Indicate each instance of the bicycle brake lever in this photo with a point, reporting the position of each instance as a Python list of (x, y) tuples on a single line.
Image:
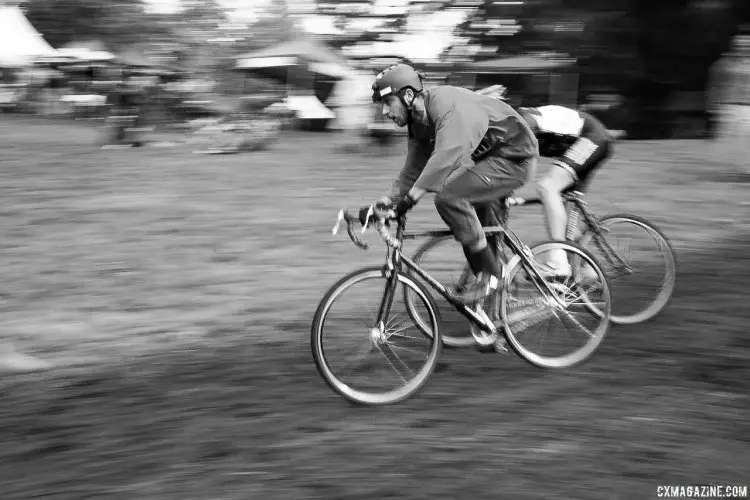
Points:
[(370, 213), (340, 218), (357, 241)]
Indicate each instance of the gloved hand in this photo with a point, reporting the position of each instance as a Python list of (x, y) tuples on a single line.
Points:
[(387, 208), (404, 205), (384, 203)]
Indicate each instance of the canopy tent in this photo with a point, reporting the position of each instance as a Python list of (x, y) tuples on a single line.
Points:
[(139, 63), (308, 108), (134, 59), (277, 66), (304, 64), (90, 51), (314, 56), (20, 43), (519, 64)]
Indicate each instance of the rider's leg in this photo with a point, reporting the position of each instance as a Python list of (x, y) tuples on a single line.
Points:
[(550, 189), (486, 182), (490, 214), (574, 167), (460, 215)]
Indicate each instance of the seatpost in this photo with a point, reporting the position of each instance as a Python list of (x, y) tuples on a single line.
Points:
[(573, 216)]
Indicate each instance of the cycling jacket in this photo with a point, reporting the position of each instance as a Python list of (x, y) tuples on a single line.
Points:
[(463, 127)]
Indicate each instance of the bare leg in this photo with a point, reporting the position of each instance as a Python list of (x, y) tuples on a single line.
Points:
[(550, 187), (555, 216)]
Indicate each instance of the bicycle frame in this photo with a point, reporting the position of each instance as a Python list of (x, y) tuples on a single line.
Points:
[(575, 198), (396, 260)]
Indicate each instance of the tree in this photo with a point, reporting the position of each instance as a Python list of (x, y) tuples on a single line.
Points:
[(359, 22), (114, 22)]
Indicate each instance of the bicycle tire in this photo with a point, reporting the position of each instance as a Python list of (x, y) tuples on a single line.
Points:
[(516, 265), (664, 295), (318, 350)]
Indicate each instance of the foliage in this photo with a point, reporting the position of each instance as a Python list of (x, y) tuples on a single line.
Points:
[(110, 21)]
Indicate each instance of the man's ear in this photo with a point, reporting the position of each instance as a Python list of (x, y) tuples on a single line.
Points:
[(409, 96)]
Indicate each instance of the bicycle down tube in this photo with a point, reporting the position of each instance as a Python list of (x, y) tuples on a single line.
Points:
[(462, 308)]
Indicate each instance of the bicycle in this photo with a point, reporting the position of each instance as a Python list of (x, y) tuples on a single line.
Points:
[(511, 312), (597, 236)]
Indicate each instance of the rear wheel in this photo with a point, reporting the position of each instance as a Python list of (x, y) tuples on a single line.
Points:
[(555, 321), (640, 265)]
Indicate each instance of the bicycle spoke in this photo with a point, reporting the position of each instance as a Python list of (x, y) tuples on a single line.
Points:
[(570, 316), (543, 336), (401, 336), (531, 320), (376, 372), (386, 350), (396, 346), (639, 264), (554, 344), (402, 326)]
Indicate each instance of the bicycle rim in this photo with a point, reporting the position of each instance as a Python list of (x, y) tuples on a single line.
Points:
[(640, 265), (390, 355)]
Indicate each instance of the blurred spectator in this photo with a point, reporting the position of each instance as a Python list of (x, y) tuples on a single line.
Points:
[(729, 103), (125, 112)]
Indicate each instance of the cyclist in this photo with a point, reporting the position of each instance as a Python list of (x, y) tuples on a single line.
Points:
[(470, 150), (580, 144)]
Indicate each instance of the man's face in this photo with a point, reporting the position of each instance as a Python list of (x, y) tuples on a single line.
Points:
[(394, 110)]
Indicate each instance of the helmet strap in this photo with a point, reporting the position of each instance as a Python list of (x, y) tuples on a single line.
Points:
[(409, 110)]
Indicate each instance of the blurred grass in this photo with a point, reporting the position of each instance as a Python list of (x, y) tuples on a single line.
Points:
[(176, 291)]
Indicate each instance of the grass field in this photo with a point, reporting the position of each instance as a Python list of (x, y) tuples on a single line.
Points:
[(175, 293)]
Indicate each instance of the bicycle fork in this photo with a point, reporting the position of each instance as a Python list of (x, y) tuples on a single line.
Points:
[(377, 333)]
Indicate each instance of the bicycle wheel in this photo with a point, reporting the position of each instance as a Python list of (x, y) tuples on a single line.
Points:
[(396, 349), (557, 305), (443, 258), (639, 262)]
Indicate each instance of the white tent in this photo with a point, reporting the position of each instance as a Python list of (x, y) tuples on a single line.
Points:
[(86, 54), (20, 42)]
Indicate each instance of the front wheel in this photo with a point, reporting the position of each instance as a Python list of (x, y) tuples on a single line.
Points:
[(555, 319), (639, 262), (354, 353)]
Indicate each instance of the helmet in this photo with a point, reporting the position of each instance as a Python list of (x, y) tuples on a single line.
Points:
[(394, 79)]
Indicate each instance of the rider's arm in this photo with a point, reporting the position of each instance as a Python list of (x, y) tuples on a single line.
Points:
[(416, 158), (458, 131)]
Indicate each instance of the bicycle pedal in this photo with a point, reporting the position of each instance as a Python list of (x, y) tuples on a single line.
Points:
[(500, 346)]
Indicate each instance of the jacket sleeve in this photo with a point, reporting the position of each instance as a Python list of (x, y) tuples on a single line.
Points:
[(458, 131), (416, 158)]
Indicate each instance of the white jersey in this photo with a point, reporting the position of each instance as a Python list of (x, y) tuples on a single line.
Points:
[(556, 128), (559, 120)]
